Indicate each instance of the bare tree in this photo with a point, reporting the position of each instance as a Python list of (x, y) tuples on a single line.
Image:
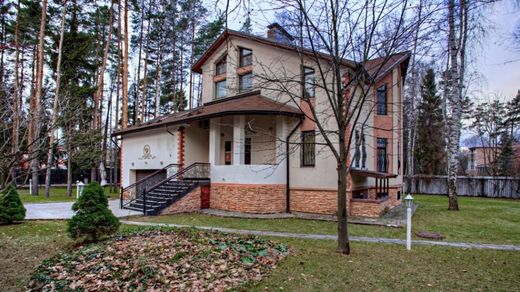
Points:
[(54, 114), (343, 40), (35, 104)]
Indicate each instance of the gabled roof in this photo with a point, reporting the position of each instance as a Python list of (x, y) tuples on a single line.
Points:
[(197, 67), (249, 103), (371, 66)]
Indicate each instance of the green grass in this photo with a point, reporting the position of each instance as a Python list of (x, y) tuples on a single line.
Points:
[(23, 246), (479, 220), (312, 265), (57, 194)]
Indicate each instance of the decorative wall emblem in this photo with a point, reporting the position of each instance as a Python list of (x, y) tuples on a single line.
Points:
[(147, 153)]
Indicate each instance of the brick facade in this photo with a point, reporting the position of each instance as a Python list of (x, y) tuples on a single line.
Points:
[(314, 201), (189, 203), (248, 198)]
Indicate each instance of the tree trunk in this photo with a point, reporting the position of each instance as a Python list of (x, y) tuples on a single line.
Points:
[(455, 118), (16, 95), (138, 78), (145, 78), (35, 119), (54, 114), (343, 241), (191, 63), (125, 68), (69, 160)]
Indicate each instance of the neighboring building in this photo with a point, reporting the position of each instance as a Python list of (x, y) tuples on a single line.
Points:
[(482, 160), (239, 137)]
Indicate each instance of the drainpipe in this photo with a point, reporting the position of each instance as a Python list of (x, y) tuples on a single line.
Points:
[(287, 186)]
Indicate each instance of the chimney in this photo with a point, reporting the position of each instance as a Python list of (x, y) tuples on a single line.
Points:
[(277, 33)]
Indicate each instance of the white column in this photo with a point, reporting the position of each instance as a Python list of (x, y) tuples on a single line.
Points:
[(214, 141), (281, 135), (239, 135)]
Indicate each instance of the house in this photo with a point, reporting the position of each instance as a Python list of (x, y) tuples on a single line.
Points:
[(482, 160), (249, 148)]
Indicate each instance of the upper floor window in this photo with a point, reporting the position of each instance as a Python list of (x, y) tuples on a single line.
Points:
[(308, 155), (245, 82), (381, 100), (221, 66), (220, 89), (382, 156), (246, 57), (309, 80)]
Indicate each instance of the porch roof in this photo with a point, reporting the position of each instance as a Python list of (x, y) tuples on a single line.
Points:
[(249, 103), (370, 173)]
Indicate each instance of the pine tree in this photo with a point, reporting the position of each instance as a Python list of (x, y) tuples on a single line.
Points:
[(93, 219), (429, 151), (11, 207)]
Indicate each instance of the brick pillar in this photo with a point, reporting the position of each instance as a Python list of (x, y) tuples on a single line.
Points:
[(180, 151)]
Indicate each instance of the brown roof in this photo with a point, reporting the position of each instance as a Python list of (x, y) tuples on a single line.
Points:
[(377, 68), (228, 32), (249, 103)]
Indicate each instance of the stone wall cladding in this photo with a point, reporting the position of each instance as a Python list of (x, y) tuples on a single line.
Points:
[(314, 201), (187, 204), (248, 198)]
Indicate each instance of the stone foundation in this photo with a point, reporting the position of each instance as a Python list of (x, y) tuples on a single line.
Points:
[(188, 203), (314, 201), (248, 198)]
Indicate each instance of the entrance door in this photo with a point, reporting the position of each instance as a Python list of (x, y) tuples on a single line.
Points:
[(204, 197), (143, 173)]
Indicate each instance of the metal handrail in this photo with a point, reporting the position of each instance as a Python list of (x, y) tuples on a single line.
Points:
[(177, 174), (150, 175), (134, 185)]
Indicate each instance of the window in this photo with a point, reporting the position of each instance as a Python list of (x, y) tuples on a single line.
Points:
[(382, 158), (381, 100), (227, 152), (221, 66), (246, 57), (310, 82), (308, 149), (245, 82), (247, 151), (220, 89)]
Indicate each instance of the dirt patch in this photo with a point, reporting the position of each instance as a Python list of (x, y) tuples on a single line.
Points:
[(185, 260)]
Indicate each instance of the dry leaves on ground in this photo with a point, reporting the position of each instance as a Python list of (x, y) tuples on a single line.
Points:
[(159, 260)]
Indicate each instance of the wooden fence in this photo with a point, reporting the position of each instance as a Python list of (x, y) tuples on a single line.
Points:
[(472, 186)]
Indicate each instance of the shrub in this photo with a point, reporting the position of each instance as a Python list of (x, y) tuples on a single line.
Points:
[(11, 207), (93, 219)]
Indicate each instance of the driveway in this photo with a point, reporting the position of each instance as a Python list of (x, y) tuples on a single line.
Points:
[(64, 210)]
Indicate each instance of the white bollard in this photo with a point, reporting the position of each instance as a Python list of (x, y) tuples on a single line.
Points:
[(30, 187), (409, 228)]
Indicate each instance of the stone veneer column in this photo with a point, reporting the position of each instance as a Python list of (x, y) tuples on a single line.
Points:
[(239, 135), (214, 141)]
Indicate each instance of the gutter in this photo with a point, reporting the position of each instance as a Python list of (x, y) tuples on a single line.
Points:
[(287, 184)]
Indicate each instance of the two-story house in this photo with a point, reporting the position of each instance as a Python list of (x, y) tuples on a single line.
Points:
[(257, 149)]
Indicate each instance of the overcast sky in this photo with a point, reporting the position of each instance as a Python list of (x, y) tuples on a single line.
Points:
[(496, 59)]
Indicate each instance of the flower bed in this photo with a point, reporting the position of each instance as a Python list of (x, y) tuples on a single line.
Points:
[(161, 260)]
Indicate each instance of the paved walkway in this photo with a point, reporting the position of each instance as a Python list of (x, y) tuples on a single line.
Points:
[(63, 210), (334, 237)]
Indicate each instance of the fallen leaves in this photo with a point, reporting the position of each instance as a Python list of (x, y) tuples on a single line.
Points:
[(161, 260)]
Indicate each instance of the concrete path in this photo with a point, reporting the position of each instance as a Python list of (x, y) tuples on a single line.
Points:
[(334, 237), (63, 210)]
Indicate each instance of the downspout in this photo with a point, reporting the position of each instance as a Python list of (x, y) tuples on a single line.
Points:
[(287, 186)]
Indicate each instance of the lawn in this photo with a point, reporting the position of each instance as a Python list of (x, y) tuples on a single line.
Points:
[(312, 265), (57, 194), (479, 220)]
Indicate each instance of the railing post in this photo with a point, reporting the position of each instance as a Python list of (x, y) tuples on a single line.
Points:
[(144, 201)]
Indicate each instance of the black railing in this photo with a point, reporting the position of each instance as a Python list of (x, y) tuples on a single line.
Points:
[(135, 190), (195, 172)]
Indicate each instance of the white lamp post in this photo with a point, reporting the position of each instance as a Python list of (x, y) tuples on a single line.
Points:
[(79, 188), (409, 203)]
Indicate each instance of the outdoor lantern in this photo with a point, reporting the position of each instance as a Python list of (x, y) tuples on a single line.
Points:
[(79, 188), (408, 200)]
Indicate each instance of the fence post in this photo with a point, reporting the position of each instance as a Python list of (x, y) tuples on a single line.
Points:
[(144, 201)]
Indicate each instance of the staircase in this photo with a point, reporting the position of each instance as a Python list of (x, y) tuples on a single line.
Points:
[(152, 199)]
